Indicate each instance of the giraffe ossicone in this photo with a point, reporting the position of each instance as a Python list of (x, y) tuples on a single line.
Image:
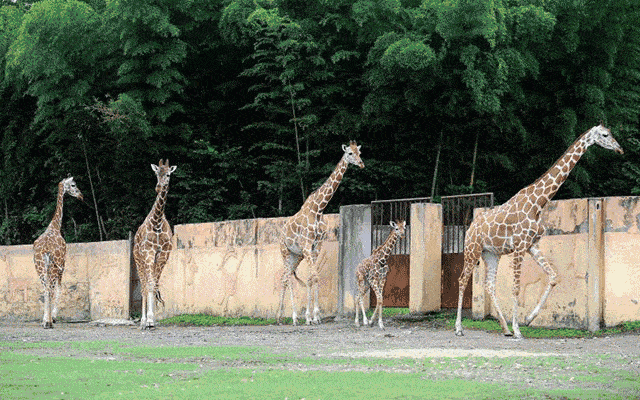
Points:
[(303, 234), (152, 246), (49, 253), (372, 273), (515, 227)]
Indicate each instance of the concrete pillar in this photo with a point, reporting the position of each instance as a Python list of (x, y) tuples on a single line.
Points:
[(480, 303), (595, 265), (355, 246), (426, 253)]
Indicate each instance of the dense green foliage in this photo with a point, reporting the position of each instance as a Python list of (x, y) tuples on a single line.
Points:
[(252, 100)]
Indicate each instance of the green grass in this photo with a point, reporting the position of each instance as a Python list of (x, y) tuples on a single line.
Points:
[(213, 320), (223, 372), (537, 332), (26, 376)]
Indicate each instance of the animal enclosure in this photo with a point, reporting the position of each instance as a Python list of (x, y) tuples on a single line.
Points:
[(234, 267)]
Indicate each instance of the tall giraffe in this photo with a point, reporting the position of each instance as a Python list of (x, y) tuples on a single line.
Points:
[(152, 246), (372, 272), (515, 228), (49, 252), (303, 233)]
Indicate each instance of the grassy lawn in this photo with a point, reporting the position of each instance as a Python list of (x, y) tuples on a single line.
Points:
[(170, 372), (109, 369)]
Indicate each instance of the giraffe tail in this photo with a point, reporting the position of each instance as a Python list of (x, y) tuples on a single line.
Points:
[(298, 279), (159, 297)]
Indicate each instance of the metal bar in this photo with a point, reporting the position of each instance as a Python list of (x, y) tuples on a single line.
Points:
[(412, 200)]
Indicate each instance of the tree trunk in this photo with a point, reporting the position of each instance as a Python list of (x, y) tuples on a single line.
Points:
[(473, 163), (435, 170)]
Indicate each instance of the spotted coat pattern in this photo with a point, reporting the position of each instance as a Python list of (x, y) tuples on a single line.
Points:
[(372, 273), (303, 234), (515, 228), (49, 252), (152, 246)]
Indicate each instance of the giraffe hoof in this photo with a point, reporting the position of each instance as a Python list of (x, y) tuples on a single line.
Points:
[(47, 325), (459, 333)]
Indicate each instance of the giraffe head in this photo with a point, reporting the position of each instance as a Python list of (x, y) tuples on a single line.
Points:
[(602, 136), (352, 154), (69, 186), (163, 171), (398, 227)]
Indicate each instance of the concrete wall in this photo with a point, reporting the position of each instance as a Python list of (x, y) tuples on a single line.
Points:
[(621, 260), (235, 268), (355, 246), (95, 283), (426, 258), (592, 244)]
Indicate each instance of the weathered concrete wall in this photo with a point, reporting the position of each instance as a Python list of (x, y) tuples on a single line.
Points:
[(95, 283), (235, 268), (426, 258), (593, 245), (355, 246), (622, 260)]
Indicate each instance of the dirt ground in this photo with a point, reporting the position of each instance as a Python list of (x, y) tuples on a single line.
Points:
[(332, 337), (437, 352)]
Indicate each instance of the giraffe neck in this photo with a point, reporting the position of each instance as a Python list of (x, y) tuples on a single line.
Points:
[(548, 184), (157, 212), (319, 200), (56, 221), (384, 250)]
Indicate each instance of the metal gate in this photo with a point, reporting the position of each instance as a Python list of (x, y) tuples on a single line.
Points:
[(135, 294), (457, 214), (396, 288)]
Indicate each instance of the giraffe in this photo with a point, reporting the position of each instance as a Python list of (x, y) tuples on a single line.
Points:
[(303, 234), (49, 251), (152, 246), (515, 228), (372, 272)]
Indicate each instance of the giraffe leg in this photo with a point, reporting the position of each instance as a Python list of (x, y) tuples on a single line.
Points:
[(284, 282), (551, 273), (362, 290), (47, 322), (312, 287), (379, 300), (491, 261), (150, 320), (373, 316), (291, 262), (56, 300), (470, 261), (294, 315), (517, 271)]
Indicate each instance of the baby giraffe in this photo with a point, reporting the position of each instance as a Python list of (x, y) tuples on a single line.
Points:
[(372, 272)]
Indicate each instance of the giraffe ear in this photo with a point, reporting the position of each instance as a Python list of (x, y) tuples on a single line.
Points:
[(344, 147), (393, 224), (359, 147), (172, 169), (154, 168)]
